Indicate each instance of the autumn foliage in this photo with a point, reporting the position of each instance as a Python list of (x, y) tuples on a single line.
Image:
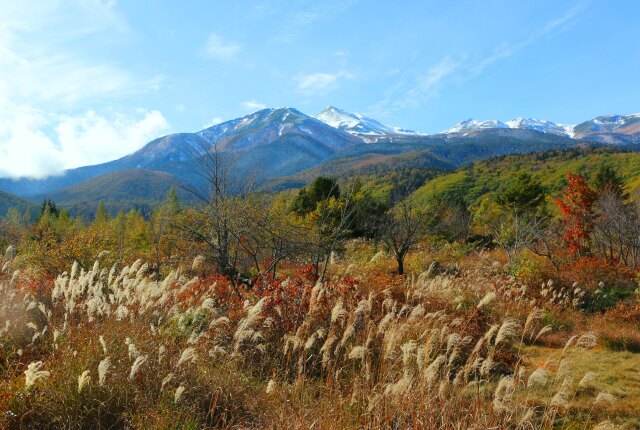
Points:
[(576, 206)]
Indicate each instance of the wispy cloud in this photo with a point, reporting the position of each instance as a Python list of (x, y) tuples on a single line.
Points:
[(320, 83), (40, 69), (64, 79), (50, 70), (426, 85), (563, 21), (220, 49), (506, 50), (252, 105), (214, 121), (413, 91), (295, 23), (64, 19)]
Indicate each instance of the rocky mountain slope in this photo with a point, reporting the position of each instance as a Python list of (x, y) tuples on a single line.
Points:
[(286, 143)]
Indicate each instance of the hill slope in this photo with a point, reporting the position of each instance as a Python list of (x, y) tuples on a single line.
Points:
[(8, 201), (137, 188), (277, 143), (274, 142), (485, 178), (436, 152)]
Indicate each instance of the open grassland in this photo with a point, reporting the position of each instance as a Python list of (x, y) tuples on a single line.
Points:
[(457, 345)]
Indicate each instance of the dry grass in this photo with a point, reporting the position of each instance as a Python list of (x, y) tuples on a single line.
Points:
[(593, 372), (448, 349)]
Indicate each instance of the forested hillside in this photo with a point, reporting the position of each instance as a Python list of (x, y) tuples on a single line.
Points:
[(484, 179), (8, 201)]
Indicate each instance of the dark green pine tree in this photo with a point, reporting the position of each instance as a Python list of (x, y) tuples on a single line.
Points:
[(608, 179), (172, 202), (321, 189), (524, 194), (49, 208), (101, 214)]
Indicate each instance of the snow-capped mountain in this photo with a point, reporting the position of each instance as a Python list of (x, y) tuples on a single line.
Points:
[(269, 142), (353, 123), (356, 123), (541, 126), (474, 125), (517, 123), (620, 124), (279, 142), (270, 125)]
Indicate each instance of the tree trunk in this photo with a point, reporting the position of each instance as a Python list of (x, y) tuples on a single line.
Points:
[(400, 260)]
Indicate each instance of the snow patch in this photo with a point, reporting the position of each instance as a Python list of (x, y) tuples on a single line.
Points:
[(542, 126)]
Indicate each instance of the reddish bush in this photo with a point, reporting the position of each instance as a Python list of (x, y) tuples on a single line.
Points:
[(287, 301), (37, 284), (576, 206), (590, 271), (623, 312)]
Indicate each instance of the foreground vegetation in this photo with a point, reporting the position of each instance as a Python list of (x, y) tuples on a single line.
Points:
[(459, 348), (330, 307)]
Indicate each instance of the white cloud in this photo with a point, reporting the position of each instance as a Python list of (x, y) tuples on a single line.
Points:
[(26, 150), (50, 63), (91, 138), (219, 49), (214, 121), (253, 105), (320, 83)]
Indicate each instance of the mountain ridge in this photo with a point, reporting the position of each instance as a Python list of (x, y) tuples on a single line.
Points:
[(280, 142), (627, 125)]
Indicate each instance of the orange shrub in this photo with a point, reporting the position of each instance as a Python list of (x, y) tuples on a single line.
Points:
[(590, 272), (38, 284)]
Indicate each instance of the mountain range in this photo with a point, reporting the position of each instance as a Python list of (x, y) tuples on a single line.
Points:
[(607, 128), (280, 148)]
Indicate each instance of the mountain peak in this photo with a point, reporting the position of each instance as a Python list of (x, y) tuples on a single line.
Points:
[(330, 108), (354, 123), (520, 123), (474, 125), (619, 124)]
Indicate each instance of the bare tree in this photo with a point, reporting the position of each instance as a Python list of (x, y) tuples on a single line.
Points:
[(516, 231), (401, 228), (617, 228), (237, 226), (265, 236), (546, 241), (220, 197)]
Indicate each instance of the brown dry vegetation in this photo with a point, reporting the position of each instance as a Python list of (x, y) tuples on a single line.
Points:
[(454, 346), (327, 310)]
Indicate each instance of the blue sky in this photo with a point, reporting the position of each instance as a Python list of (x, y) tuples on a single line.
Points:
[(86, 81)]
